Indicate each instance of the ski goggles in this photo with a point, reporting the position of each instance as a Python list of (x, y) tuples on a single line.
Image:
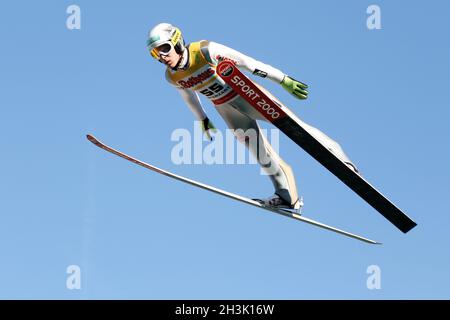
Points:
[(162, 50)]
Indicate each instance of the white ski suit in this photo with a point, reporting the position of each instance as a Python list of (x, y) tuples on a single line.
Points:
[(196, 73)]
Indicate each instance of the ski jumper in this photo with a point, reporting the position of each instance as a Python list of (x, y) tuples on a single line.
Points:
[(197, 74)]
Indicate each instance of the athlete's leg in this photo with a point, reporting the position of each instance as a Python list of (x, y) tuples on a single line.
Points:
[(329, 143), (248, 132)]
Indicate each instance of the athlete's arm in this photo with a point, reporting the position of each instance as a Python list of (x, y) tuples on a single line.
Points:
[(192, 100), (214, 52)]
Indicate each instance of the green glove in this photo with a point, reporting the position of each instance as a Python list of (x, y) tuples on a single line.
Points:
[(208, 127), (295, 87)]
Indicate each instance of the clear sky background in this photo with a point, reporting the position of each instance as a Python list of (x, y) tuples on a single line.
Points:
[(383, 94)]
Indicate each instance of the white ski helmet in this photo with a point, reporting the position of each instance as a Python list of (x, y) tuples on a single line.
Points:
[(165, 33)]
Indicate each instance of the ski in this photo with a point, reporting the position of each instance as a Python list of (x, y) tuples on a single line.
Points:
[(254, 203), (291, 125)]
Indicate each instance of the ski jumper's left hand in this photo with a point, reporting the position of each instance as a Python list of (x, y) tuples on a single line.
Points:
[(295, 87), (208, 127)]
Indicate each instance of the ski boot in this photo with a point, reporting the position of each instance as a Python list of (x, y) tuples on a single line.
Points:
[(277, 202)]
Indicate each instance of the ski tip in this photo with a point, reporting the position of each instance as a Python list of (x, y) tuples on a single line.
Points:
[(91, 138)]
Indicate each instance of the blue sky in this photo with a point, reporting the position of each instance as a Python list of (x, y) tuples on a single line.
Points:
[(383, 94)]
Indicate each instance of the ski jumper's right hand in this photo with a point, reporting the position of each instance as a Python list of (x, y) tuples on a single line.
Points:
[(207, 128), (295, 87)]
